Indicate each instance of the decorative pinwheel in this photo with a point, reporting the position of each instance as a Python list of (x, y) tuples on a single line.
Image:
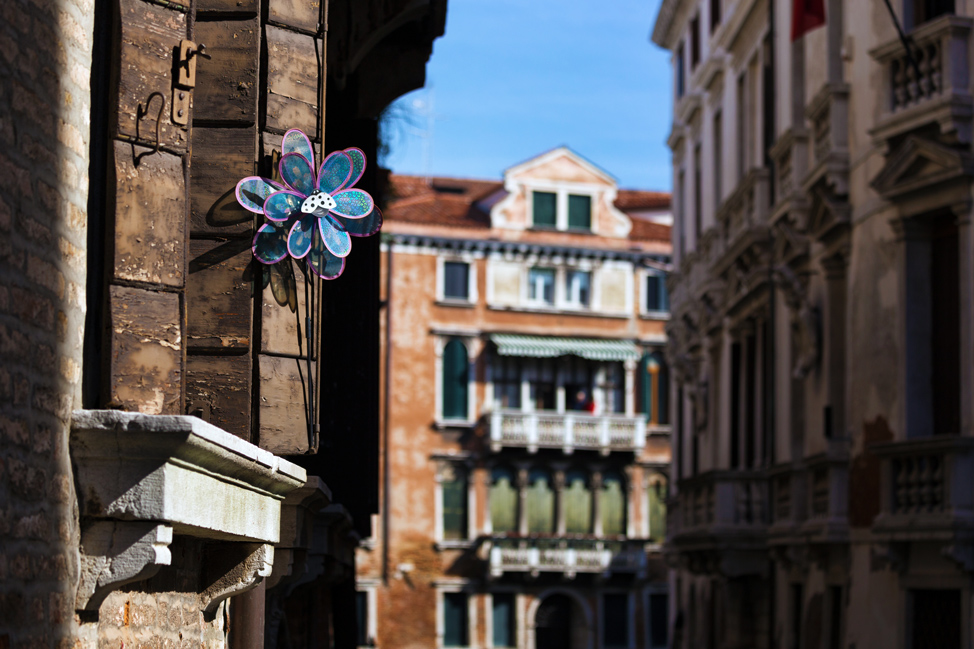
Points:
[(312, 216)]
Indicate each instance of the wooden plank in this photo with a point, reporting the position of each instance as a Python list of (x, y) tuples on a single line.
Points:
[(150, 216), (292, 81), (282, 310), (221, 157), (300, 14), (219, 295), (149, 36), (226, 6), (146, 351), (282, 411), (227, 83), (218, 390)]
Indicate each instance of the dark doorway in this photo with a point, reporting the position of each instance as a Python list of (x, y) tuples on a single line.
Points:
[(553, 623)]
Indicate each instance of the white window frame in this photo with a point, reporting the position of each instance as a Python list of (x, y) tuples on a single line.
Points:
[(442, 543), (541, 303), (561, 192), (469, 342), (472, 296), (644, 310), (571, 300), (368, 586), (455, 587), (631, 626)]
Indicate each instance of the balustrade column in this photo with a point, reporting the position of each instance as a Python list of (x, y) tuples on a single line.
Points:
[(596, 482)]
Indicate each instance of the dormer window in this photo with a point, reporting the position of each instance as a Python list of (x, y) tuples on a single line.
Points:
[(561, 210)]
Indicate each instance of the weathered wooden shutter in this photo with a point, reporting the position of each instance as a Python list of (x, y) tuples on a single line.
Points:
[(455, 380), (545, 207), (503, 501), (580, 212), (578, 504), (455, 620), (503, 618), (541, 503), (613, 505)]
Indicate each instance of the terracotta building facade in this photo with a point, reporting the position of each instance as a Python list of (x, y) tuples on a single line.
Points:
[(526, 413), (820, 338)]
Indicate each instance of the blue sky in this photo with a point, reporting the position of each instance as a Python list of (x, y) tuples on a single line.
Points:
[(513, 78)]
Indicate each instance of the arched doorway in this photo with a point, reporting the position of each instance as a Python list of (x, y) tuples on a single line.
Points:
[(560, 623)]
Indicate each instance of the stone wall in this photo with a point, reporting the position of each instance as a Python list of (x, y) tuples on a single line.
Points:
[(45, 54)]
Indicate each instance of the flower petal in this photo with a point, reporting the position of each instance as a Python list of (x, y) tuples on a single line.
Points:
[(280, 205), (363, 227), (358, 165), (296, 171), (252, 191), (299, 241), (295, 141), (334, 236), (352, 203), (270, 244), (323, 263), (334, 172)]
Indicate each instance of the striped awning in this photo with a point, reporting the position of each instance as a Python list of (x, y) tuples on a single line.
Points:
[(551, 347)]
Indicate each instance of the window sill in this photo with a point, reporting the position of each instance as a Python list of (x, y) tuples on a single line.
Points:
[(589, 313), (441, 424), (655, 315), (457, 544), (455, 302), (553, 228)]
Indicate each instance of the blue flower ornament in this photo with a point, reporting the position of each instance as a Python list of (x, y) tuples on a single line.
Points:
[(312, 215)]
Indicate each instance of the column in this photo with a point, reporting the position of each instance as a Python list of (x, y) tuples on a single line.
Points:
[(522, 499), (630, 395)]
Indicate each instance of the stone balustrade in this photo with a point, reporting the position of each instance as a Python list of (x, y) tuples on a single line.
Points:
[(565, 555), (567, 431)]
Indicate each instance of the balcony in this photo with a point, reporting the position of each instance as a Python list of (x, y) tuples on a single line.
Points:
[(927, 491), (566, 431), (566, 556), (937, 90)]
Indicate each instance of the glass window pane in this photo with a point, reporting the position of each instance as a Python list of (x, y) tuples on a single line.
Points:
[(541, 503), (615, 614), (578, 503), (578, 290), (541, 285), (544, 208), (503, 620), (580, 212), (455, 380), (455, 620), (613, 505), (455, 505), (362, 617), (456, 280), (503, 501)]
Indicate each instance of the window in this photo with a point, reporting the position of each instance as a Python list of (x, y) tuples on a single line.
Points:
[(503, 617), (362, 618), (694, 42), (934, 619), (718, 156), (456, 280), (454, 493), (578, 289), (925, 10), (714, 15), (656, 497), (503, 500), (658, 620), (613, 504), (835, 617), (542, 385), (697, 197), (657, 298), (797, 607), (541, 286), (578, 503), (653, 391), (742, 130), (455, 380), (540, 503), (614, 388), (579, 212), (678, 65), (545, 211), (506, 378), (615, 620), (455, 626)]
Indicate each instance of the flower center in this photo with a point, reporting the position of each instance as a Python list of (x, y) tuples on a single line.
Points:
[(318, 200)]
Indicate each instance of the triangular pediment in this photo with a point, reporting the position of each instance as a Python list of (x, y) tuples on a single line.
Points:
[(559, 165), (918, 164)]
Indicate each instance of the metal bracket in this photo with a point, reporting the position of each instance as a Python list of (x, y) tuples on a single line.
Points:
[(185, 80)]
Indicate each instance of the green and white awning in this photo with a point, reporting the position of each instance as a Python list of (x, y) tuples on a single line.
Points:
[(552, 347)]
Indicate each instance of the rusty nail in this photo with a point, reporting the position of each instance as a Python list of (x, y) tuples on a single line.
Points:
[(182, 95)]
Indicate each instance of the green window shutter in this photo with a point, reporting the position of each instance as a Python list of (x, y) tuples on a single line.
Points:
[(645, 386), (503, 618), (545, 207), (578, 504), (541, 503), (455, 381), (455, 506), (455, 620), (503, 501), (663, 390), (657, 510), (362, 617), (613, 505), (580, 212)]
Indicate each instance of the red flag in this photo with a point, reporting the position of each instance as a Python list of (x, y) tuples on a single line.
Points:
[(806, 15)]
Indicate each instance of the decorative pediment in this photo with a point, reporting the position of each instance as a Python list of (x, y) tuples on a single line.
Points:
[(919, 164), (828, 212)]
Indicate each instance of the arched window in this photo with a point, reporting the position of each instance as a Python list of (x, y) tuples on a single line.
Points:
[(656, 497), (503, 500), (653, 388), (578, 503), (541, 502), (613, 504), (455, 380)]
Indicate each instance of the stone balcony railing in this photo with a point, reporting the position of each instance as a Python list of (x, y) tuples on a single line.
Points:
[(719, 502), (566, 431), (809, 498), (937, 89), (566, 555), (927, 487)]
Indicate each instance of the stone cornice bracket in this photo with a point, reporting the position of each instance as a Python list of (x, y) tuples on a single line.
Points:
[(237, 568), (114, 553)]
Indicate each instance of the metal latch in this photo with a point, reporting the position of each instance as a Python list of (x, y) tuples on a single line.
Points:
[(185, 79)]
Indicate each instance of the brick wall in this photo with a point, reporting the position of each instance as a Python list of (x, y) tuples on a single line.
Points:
[(45, 54)]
